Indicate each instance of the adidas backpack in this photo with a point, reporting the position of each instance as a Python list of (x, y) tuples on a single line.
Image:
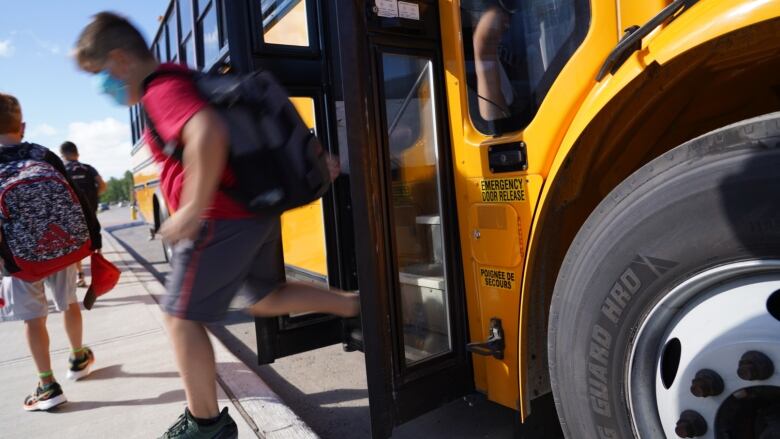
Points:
[(44, 228), (279, 164)]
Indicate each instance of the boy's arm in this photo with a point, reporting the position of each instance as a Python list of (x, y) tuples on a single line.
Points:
[(205, 139), (92, 222), (101, 184)]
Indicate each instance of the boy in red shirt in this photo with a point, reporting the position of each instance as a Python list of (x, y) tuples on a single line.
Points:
[(219, 247)]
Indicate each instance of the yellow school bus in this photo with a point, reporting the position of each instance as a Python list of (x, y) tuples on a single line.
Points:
[(564, 204)]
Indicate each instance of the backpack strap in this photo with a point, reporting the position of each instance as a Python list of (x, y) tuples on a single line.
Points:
[(164, 72), (170, 149), (22, 151)]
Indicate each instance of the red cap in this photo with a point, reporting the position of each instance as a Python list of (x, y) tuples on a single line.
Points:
[(105, 276)]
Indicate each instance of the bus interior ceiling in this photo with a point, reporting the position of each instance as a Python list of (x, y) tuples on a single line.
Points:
[(726, 80)]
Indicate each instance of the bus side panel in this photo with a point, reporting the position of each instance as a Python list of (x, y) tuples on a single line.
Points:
[(145, 181), (703, 23), (303, 229), (542, 138)]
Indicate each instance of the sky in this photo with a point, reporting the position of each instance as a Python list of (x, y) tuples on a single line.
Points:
[(58, 101)]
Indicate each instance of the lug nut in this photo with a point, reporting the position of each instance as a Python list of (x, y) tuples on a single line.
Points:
[(755, 366), (691, 424), (707, 383)]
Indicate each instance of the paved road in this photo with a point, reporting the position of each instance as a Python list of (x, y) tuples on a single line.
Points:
[(326, 387)]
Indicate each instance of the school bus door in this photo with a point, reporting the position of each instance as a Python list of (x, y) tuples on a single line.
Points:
[(380, 79), (413, 305), (287, 38)]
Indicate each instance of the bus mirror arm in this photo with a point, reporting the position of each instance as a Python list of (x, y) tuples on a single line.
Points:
[(632, 40), (494, 345)]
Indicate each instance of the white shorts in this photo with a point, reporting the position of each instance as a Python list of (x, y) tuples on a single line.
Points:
[(27, 301)]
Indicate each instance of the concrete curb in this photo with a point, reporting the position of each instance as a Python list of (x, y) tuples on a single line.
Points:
[(260, 408)]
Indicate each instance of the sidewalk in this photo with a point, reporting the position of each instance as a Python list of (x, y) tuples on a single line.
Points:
[(134, 390)]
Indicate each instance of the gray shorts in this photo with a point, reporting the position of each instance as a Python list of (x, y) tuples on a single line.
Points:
[(27, 300), (226, 257)]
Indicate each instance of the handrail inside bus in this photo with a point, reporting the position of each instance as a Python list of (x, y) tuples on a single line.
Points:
[(407, 99)]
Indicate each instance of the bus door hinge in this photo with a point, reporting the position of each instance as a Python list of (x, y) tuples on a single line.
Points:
[(494, 345)]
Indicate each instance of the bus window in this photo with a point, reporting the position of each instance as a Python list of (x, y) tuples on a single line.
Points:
[(285, 22), (172, 34), (514, 50), (202, 4), (187, 48), (156, 51), (303, 229), (210, 31), (166, 53), (185, 17), (413, 147)]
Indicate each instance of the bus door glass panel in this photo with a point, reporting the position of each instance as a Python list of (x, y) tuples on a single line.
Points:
[(172, 32), (514, 50), (303, 229), (415, 199), (187, 49), (209, 31), (185, 17), (285, 22)]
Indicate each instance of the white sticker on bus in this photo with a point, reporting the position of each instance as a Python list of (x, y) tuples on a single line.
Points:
[(387, 8), (408, 10)]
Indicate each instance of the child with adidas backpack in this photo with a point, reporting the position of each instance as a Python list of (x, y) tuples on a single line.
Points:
[(46, 227)]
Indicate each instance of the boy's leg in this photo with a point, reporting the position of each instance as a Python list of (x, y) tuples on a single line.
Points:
[(26, 301), (63, 291), (274, 297), (206, 275), (38, 342), (195, 360), (74, 326), (297, 297)]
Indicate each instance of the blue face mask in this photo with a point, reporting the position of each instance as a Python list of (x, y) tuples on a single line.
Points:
[(116, 88)]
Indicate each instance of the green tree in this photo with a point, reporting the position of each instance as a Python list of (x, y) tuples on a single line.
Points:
[(118, 189)]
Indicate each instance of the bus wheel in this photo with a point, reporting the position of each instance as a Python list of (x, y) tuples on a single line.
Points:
[(665, 318)]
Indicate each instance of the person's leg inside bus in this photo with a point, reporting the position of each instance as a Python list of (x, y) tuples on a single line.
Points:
[(298, 297), (265, 282)]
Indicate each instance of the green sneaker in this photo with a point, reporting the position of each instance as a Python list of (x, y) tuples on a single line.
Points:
[(186, 428)]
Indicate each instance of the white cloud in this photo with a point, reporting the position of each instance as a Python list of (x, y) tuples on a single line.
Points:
[(41, 130), (6, 49), (104, 144), (45, 47)]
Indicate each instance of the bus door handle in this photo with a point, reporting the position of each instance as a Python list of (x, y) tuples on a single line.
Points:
[(494, 345)]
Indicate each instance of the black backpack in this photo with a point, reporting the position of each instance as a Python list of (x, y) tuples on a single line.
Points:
[(278, 162), (84, 178)]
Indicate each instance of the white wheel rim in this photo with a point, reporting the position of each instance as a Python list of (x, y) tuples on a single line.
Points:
[(717, 316)]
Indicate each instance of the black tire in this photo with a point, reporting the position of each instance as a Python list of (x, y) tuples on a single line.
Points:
[(708, 202)]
